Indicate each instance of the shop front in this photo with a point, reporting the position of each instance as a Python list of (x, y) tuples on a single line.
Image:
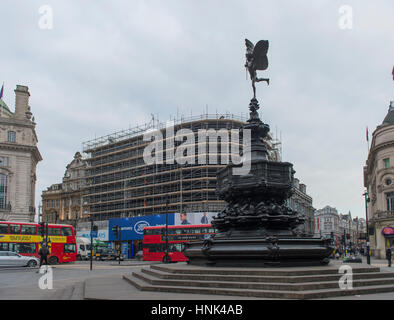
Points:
[(388, 234), (128, 232)]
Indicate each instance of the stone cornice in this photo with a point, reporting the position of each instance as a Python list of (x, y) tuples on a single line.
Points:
[(21, 147)]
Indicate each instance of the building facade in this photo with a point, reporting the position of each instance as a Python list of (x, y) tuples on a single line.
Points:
[(378, 180), (63, 202), (19, 156), (121, 184), (327, 223), (301, 202)]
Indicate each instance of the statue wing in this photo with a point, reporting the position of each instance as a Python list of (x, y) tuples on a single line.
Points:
[(249, 46), (260, 55)]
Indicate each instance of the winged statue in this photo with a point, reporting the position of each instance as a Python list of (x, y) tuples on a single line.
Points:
[(256, 59)]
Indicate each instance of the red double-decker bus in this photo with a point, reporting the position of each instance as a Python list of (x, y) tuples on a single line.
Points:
[(26, 239), (154, 242)]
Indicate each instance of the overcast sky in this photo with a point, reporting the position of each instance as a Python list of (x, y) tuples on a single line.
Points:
[(107, 65)]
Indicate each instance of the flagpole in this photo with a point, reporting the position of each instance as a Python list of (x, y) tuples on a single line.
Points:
[(367, 142)]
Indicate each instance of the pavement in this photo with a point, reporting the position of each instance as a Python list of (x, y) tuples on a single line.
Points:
[(75, 281)]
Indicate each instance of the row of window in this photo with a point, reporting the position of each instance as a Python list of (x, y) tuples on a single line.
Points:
[(31, 247), (156, 247), (150, 232), (33, 230)]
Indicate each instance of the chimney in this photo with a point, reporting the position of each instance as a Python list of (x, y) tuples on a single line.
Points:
[(21, 101)]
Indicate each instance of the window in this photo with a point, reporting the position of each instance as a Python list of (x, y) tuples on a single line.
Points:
[(15, 228), (54, 232), (69, 248), (3, 161), (26, 248), (3, 246), (11, 136), (82, 247), (67, 231), (386, 162), (390, 201), (4, 228), (3, 191), (28, 229)]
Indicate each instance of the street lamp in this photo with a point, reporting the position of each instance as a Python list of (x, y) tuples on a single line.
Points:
[(367, 199), (167, 257)]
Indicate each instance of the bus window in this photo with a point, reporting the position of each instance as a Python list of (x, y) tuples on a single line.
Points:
[(67, 231), (3, 246), (69, 248), (175, 247), (197, 230), (26, 248), (4, 228), (54, 232), (27, 229), (15, 228), (178, 231)]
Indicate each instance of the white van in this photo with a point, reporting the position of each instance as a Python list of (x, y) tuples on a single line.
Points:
[(83, 248)]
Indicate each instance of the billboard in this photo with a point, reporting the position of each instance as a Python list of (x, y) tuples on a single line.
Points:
[(132, 228), (194, 218), (83, 230)]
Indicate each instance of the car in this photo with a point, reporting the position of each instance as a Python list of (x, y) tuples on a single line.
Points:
[(108, 254), (13, 259), (352, 259)]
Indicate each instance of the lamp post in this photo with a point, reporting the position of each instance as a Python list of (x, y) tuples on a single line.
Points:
[(91, 242), (367, 199), (167, 257)]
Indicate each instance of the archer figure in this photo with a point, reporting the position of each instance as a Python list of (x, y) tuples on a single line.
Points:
[(256, 59)]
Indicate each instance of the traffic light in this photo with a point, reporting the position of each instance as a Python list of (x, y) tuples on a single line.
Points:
[(347, 235), (42, 226), (115, 231)]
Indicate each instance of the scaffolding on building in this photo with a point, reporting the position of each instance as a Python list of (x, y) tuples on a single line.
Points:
[(121, 184)]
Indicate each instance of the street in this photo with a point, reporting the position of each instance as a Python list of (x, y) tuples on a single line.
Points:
[(70, 281), (22, 283)]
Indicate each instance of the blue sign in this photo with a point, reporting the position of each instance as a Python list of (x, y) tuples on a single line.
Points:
[(132, 228), (93, 234)]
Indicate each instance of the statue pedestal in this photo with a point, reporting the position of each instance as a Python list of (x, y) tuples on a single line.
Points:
[(258, 251)]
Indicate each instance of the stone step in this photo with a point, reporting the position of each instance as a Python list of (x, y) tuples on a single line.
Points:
[(309, 294), (266, 279), (62, 294), (186, 269), (259, 285)]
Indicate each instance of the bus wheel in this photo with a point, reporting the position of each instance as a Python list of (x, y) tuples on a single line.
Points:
[(166, 259), (32, 263), (53, 260)]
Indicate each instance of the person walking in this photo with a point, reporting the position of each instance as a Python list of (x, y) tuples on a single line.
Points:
[(388, 256), (43, 252)]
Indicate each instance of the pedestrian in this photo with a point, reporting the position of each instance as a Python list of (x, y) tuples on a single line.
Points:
[(43, 252), (388, 256)]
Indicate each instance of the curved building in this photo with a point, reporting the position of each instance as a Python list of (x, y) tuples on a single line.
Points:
[(379, 181)]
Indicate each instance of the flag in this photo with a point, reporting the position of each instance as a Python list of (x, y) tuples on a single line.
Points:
[(393, 73), (367, 134), (1, 92)]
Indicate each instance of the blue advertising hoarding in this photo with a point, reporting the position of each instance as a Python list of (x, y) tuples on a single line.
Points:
[(132, 228)]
